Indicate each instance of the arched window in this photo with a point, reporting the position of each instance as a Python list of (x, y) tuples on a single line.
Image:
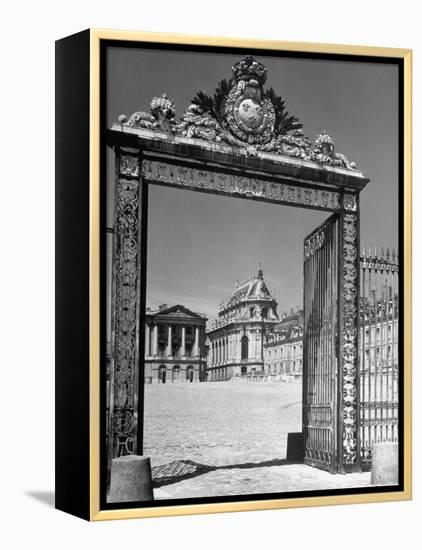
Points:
[(264, 313), (189, 374), (245, 347), (252, 312)]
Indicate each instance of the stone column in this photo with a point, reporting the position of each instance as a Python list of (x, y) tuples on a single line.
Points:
[(183, 350), (169, 346), (147, 340), (196, 345), (154, 340)]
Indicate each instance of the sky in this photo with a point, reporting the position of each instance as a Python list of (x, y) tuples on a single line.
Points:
[(199, 245)]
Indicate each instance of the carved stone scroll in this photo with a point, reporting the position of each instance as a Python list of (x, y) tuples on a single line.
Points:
[(165, 173)]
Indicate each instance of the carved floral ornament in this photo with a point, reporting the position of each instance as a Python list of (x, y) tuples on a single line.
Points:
[(241, 113)]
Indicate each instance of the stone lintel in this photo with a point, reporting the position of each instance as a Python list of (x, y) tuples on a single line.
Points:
[(191, 149)]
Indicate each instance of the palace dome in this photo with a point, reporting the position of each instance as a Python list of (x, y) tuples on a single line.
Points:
[(253, 289)]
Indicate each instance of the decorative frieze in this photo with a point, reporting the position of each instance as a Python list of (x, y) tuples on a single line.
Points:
[(173, 175)]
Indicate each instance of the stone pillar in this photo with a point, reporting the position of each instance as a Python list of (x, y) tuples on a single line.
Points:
[(196, 345), (169, 345), (155, 340), (183, 350), (147, 340)]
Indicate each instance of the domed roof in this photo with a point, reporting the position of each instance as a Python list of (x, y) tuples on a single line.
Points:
[(253, 288)]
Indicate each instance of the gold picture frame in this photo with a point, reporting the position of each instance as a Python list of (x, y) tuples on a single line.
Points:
[(92, 507)]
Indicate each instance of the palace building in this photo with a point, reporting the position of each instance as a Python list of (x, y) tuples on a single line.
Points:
[(236, 339), (174, 345), (283, 348)]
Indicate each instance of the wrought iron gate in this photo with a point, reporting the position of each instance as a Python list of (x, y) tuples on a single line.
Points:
[(319, 346)]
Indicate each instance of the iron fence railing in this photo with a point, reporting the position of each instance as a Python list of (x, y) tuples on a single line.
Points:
[(379, 364)]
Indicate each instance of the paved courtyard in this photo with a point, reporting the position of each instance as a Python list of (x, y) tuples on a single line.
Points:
[(219, 423), (224, 438)]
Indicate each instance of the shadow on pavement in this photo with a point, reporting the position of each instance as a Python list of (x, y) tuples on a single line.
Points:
[(179, 470)]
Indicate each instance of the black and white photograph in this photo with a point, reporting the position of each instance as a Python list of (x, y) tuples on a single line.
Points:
[(252, 336)]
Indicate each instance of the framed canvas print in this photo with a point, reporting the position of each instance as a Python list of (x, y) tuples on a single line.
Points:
[(233, 274)]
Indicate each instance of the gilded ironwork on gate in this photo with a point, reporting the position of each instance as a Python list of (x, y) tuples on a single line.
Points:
[(319, 345), (126, 314)]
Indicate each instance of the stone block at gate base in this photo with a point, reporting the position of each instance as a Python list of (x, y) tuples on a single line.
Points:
[(385, 464), (131, 479), (295, 447)]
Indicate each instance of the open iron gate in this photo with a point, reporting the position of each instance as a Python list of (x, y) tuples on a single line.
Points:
[(321, 258)]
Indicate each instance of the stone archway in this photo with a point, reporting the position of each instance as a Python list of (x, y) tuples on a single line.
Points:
[(162, 374), (190, 373)]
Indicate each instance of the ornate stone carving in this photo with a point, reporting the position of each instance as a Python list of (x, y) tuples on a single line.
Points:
[(161, 116), (349, 337), (323, 152), (350, 202), (129, 166), (230, 184), (125, 274), (242, 113)]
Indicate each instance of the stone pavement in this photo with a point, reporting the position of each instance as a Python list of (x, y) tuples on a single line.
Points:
[(225, 438), (224, 481)]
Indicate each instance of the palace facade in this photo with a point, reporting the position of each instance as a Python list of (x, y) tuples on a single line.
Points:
[(174, 345), (236, 339), (283, 348)]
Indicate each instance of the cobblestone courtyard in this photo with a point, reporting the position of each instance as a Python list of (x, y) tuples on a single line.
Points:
[(233, 437)]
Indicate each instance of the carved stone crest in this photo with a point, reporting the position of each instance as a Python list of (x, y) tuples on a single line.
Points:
[(250, 115)]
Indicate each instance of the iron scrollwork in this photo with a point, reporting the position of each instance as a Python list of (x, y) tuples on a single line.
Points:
[(126, 273), (349, 337)]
